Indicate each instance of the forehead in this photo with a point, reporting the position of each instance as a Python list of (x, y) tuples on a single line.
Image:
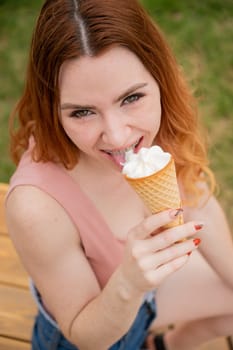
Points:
[(117, 67)]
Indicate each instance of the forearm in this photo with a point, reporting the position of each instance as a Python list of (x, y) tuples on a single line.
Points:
[(147, 262), (107, 317)]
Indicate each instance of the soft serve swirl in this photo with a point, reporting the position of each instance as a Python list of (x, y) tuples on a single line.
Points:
[(146, 162)]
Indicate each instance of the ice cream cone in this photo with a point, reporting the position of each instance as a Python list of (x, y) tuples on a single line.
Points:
[(159, 191)]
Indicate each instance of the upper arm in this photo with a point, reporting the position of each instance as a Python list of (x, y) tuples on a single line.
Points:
[(50, 249)]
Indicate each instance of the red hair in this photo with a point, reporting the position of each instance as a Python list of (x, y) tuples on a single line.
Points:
[(68, 29)]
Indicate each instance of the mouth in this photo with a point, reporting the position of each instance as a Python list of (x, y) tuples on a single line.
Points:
[(118, 156)]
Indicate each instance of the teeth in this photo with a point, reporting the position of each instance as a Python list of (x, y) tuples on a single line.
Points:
[(120, 152)]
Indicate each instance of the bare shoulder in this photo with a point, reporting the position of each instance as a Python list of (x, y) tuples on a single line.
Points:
[(29, 207), (207, 206), (206, 203), (36, 219)]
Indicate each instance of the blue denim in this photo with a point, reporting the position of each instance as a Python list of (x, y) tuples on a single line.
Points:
[(46, 336)]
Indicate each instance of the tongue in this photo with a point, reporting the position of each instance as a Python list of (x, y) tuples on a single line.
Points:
[(119, 158)]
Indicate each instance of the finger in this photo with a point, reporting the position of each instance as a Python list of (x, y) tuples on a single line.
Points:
[(166, 238), (152, 261), (176, 234), (154, 222), (156, 276)]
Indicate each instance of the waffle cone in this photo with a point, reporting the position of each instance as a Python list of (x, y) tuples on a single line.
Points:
[(159, 191)]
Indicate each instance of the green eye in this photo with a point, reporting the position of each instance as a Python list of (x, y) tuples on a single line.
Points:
[(132, 98), (81, 113)]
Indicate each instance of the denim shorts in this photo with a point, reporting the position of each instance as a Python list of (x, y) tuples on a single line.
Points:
[(47, 336)]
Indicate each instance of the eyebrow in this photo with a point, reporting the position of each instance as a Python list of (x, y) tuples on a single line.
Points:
[(122, 96), (130, 91)]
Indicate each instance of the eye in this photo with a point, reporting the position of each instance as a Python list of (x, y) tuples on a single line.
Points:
[(132, 98), (81, 113)]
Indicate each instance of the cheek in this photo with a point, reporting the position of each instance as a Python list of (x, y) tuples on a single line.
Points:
[(83, 136), (154, 125), (68, 129), (157, 113), (152, 117), (71, 129)]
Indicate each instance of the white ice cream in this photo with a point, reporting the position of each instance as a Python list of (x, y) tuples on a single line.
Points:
[(146, 162)]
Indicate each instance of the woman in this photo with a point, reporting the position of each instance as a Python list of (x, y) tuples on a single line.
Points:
[(101, 80)]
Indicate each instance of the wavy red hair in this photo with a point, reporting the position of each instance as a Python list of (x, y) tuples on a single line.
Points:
[(68, 29)]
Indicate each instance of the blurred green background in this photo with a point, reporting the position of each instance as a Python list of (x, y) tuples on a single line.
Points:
[(201, 35)]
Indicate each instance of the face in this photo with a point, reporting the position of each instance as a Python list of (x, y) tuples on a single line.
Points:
[(109, 104)]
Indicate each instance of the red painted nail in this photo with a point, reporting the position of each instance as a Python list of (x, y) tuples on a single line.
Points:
[(197, 241), (198, 227), (189, 253)]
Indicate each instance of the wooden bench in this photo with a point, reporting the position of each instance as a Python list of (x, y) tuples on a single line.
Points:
[(17, 308)]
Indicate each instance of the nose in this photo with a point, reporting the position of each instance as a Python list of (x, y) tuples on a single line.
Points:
[(116, 130)]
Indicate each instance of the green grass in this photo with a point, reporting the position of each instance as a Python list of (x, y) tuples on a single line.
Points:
[(16, 23), (200, 33)]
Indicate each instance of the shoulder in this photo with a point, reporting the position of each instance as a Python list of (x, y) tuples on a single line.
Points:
[(31, 211), (26, 197), (207, 208)]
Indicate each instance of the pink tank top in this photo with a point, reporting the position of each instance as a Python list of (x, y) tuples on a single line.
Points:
[(103, 250)]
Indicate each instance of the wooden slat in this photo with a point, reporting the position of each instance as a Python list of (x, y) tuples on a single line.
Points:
[(17, 310), (3, 190), (9, 344), (11, 270)]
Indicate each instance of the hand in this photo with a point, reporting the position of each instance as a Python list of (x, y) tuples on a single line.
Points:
[(153, 253)]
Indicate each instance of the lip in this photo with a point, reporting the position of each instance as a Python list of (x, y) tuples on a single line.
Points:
[(109, 156), (123, 148), (139, 145)]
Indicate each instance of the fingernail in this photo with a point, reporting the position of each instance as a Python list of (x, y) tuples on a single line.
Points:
[(197, 241), (176, 212), (198, 227), (189, 253)]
